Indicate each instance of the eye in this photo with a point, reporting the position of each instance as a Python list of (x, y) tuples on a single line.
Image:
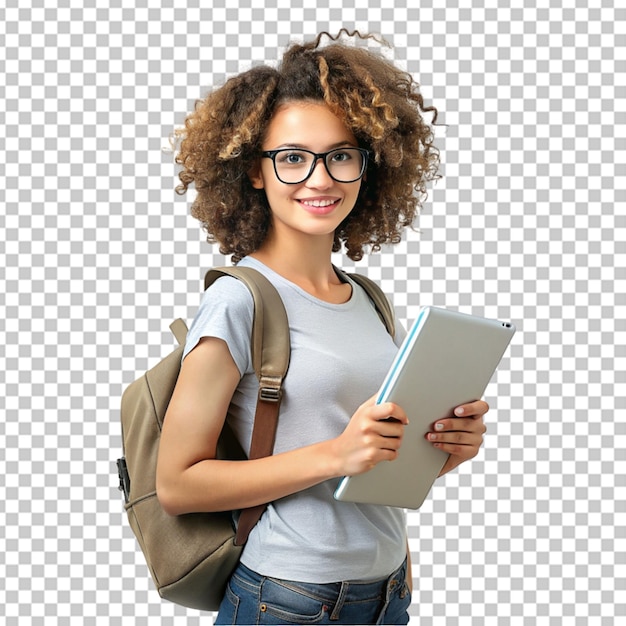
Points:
[(340, 156), (291, 157)]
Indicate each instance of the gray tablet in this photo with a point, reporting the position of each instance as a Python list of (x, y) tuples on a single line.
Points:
[(446, 359)]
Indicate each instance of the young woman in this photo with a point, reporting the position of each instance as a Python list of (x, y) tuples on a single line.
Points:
[(331, 148)]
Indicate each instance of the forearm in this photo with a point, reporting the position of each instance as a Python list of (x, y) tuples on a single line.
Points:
[(216, 485), (190, 479)]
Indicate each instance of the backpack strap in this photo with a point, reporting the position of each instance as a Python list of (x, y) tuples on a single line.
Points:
[(270, 348), (179, 330), (378, 297)]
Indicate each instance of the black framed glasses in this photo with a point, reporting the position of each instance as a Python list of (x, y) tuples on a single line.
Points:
[(295, 165)]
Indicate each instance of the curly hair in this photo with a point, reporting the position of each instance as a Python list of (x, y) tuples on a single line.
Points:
[(222, 138)]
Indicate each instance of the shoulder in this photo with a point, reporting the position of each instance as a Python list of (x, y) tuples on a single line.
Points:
[(226, 311), (229, 291), (226, 300)]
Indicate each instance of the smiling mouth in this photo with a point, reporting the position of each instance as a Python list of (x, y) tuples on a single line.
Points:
[(319, 204)]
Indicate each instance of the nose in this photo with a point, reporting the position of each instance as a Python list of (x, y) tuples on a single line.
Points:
[(319, 178)]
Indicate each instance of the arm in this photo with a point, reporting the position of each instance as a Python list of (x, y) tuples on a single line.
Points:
[(191, 479)]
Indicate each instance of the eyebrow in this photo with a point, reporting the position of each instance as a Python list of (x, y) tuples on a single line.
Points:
[(298, 146)]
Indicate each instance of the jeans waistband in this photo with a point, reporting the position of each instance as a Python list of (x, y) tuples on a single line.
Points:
[(333, 593)]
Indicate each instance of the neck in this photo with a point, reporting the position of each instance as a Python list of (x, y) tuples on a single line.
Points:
[(305, 262)]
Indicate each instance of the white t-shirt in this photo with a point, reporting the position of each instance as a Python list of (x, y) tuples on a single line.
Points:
[(340, 354)]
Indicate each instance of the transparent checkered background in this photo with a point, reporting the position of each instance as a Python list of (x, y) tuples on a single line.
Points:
[(528, 224)]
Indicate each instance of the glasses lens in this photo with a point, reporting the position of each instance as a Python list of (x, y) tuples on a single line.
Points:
[(293, 166), (345, 165)]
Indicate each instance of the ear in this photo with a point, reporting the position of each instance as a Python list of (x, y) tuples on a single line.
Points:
[(256, 176)]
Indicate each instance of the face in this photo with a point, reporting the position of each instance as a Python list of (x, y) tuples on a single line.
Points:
[(318, 205)]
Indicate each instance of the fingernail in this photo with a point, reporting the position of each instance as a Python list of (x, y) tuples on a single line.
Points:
[(459, 411), (439, 426)]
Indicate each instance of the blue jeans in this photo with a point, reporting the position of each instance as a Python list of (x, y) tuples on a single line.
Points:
[(254, 599)]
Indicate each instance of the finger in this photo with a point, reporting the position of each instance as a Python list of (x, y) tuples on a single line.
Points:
[(456, 437), (460, 451), (467, 424), (390, 430), (450, 437), (390, 443), (390, 412), (480, 407)]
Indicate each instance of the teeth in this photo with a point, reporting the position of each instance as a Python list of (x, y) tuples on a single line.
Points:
[(318, 203)]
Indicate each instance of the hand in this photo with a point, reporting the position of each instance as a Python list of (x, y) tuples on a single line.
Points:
[(460, 436), (374, 434)]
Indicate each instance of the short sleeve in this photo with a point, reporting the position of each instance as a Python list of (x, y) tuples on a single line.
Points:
[(226, 312)]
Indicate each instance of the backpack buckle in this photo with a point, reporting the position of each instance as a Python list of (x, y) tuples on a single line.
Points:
[(270, 388), (269, 394)]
